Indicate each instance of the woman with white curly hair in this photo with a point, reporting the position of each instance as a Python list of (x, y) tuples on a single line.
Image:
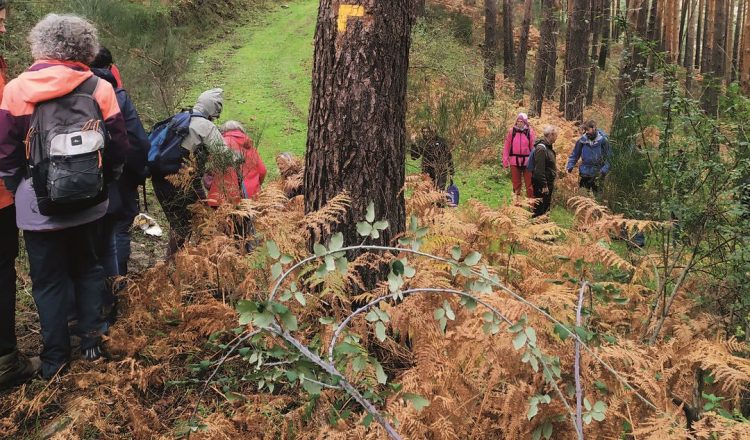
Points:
[(63, 248)]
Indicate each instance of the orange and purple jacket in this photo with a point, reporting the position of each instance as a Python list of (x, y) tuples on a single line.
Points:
[(43, 81)]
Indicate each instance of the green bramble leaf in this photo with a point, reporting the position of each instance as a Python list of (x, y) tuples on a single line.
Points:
[(289, 321), (380, 331), (300, 298), (319, 250), (276, 271), (380, 373), (370, 215), (416, 400), (472, 259), (519, 340), (364, 229), (381, 225), (456, 253), (337, 242), (273, 250)]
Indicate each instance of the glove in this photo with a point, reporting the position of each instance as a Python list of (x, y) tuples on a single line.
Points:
[(545, 190)]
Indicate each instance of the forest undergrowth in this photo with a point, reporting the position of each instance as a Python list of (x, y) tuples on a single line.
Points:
[(426, 357)]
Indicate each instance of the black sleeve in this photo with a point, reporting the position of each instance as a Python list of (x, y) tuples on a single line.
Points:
[(540, 165)]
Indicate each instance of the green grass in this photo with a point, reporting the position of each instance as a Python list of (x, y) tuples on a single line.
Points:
[(265, 70)]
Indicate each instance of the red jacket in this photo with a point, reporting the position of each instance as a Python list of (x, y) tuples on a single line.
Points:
[(253, 172)]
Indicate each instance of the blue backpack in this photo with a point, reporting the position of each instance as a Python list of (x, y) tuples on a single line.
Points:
[(453, 194), (166, 152), (530, 161)]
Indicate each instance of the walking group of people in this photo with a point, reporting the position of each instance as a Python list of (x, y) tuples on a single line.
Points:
[(73, 152), (532, 162)]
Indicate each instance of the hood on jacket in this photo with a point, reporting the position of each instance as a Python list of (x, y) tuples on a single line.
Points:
[(106, 75), (238, 138), (524, 118), (210, 103), (599, 136), (47, 80)]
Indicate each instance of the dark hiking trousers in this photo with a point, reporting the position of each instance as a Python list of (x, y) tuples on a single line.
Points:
[(64, 265), (176, 203), (545, 200), (590, 182), (8, 254)]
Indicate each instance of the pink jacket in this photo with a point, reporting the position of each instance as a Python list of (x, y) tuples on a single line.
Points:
[(518, 145)]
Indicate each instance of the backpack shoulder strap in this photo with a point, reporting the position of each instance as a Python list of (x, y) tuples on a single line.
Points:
[(89, 86)]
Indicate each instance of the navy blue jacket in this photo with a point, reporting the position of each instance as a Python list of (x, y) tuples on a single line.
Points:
[(135, 173), (594, 155)]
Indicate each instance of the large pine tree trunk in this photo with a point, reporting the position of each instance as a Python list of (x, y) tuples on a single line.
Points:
[(654, 28), (545, 56), (708, 36), (596, 28), (566, 59), (577, 61), (490, 46), (508, 45), (617, 13), (606, 33), (523, 48), (356, 135), (745, 53), (714, 74), (420, 7)]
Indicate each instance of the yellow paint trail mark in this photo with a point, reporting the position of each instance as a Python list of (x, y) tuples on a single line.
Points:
[(346, 11)]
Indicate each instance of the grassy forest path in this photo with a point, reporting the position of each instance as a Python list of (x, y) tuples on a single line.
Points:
[(264, 68)]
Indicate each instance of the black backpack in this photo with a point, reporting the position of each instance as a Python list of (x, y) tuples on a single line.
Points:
[(64, 151)]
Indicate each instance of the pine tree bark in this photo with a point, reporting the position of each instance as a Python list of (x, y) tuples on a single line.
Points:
[(357, 119), (577, 61), (737, 40), (564, 86), (523, 48), (699, 34), (616, 31), (684, 6), (654, 28), (546, 55), (729, 40), (606, 33), (420, 7), (714, 74), (490, 46), (551, 86), (689, 59), (508, 42), (596, 30), (708, 36), (745, 54)]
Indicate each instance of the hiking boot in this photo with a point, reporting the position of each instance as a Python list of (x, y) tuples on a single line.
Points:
[(16, 369)]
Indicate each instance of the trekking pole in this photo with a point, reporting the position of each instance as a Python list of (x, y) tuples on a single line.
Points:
[(145, 199)]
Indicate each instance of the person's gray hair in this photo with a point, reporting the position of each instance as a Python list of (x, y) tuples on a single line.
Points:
[(549, 130), (231, 126), (64, 38)]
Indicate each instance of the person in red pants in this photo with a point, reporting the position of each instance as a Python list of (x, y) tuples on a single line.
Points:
[(518, 145)]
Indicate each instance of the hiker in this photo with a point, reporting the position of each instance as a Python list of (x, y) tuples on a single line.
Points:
[(518, 145), (543, 167), (199, 140), (123, 194), (594, 152), (252, 170), (437, 159), (61, 214), (14, 367)]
